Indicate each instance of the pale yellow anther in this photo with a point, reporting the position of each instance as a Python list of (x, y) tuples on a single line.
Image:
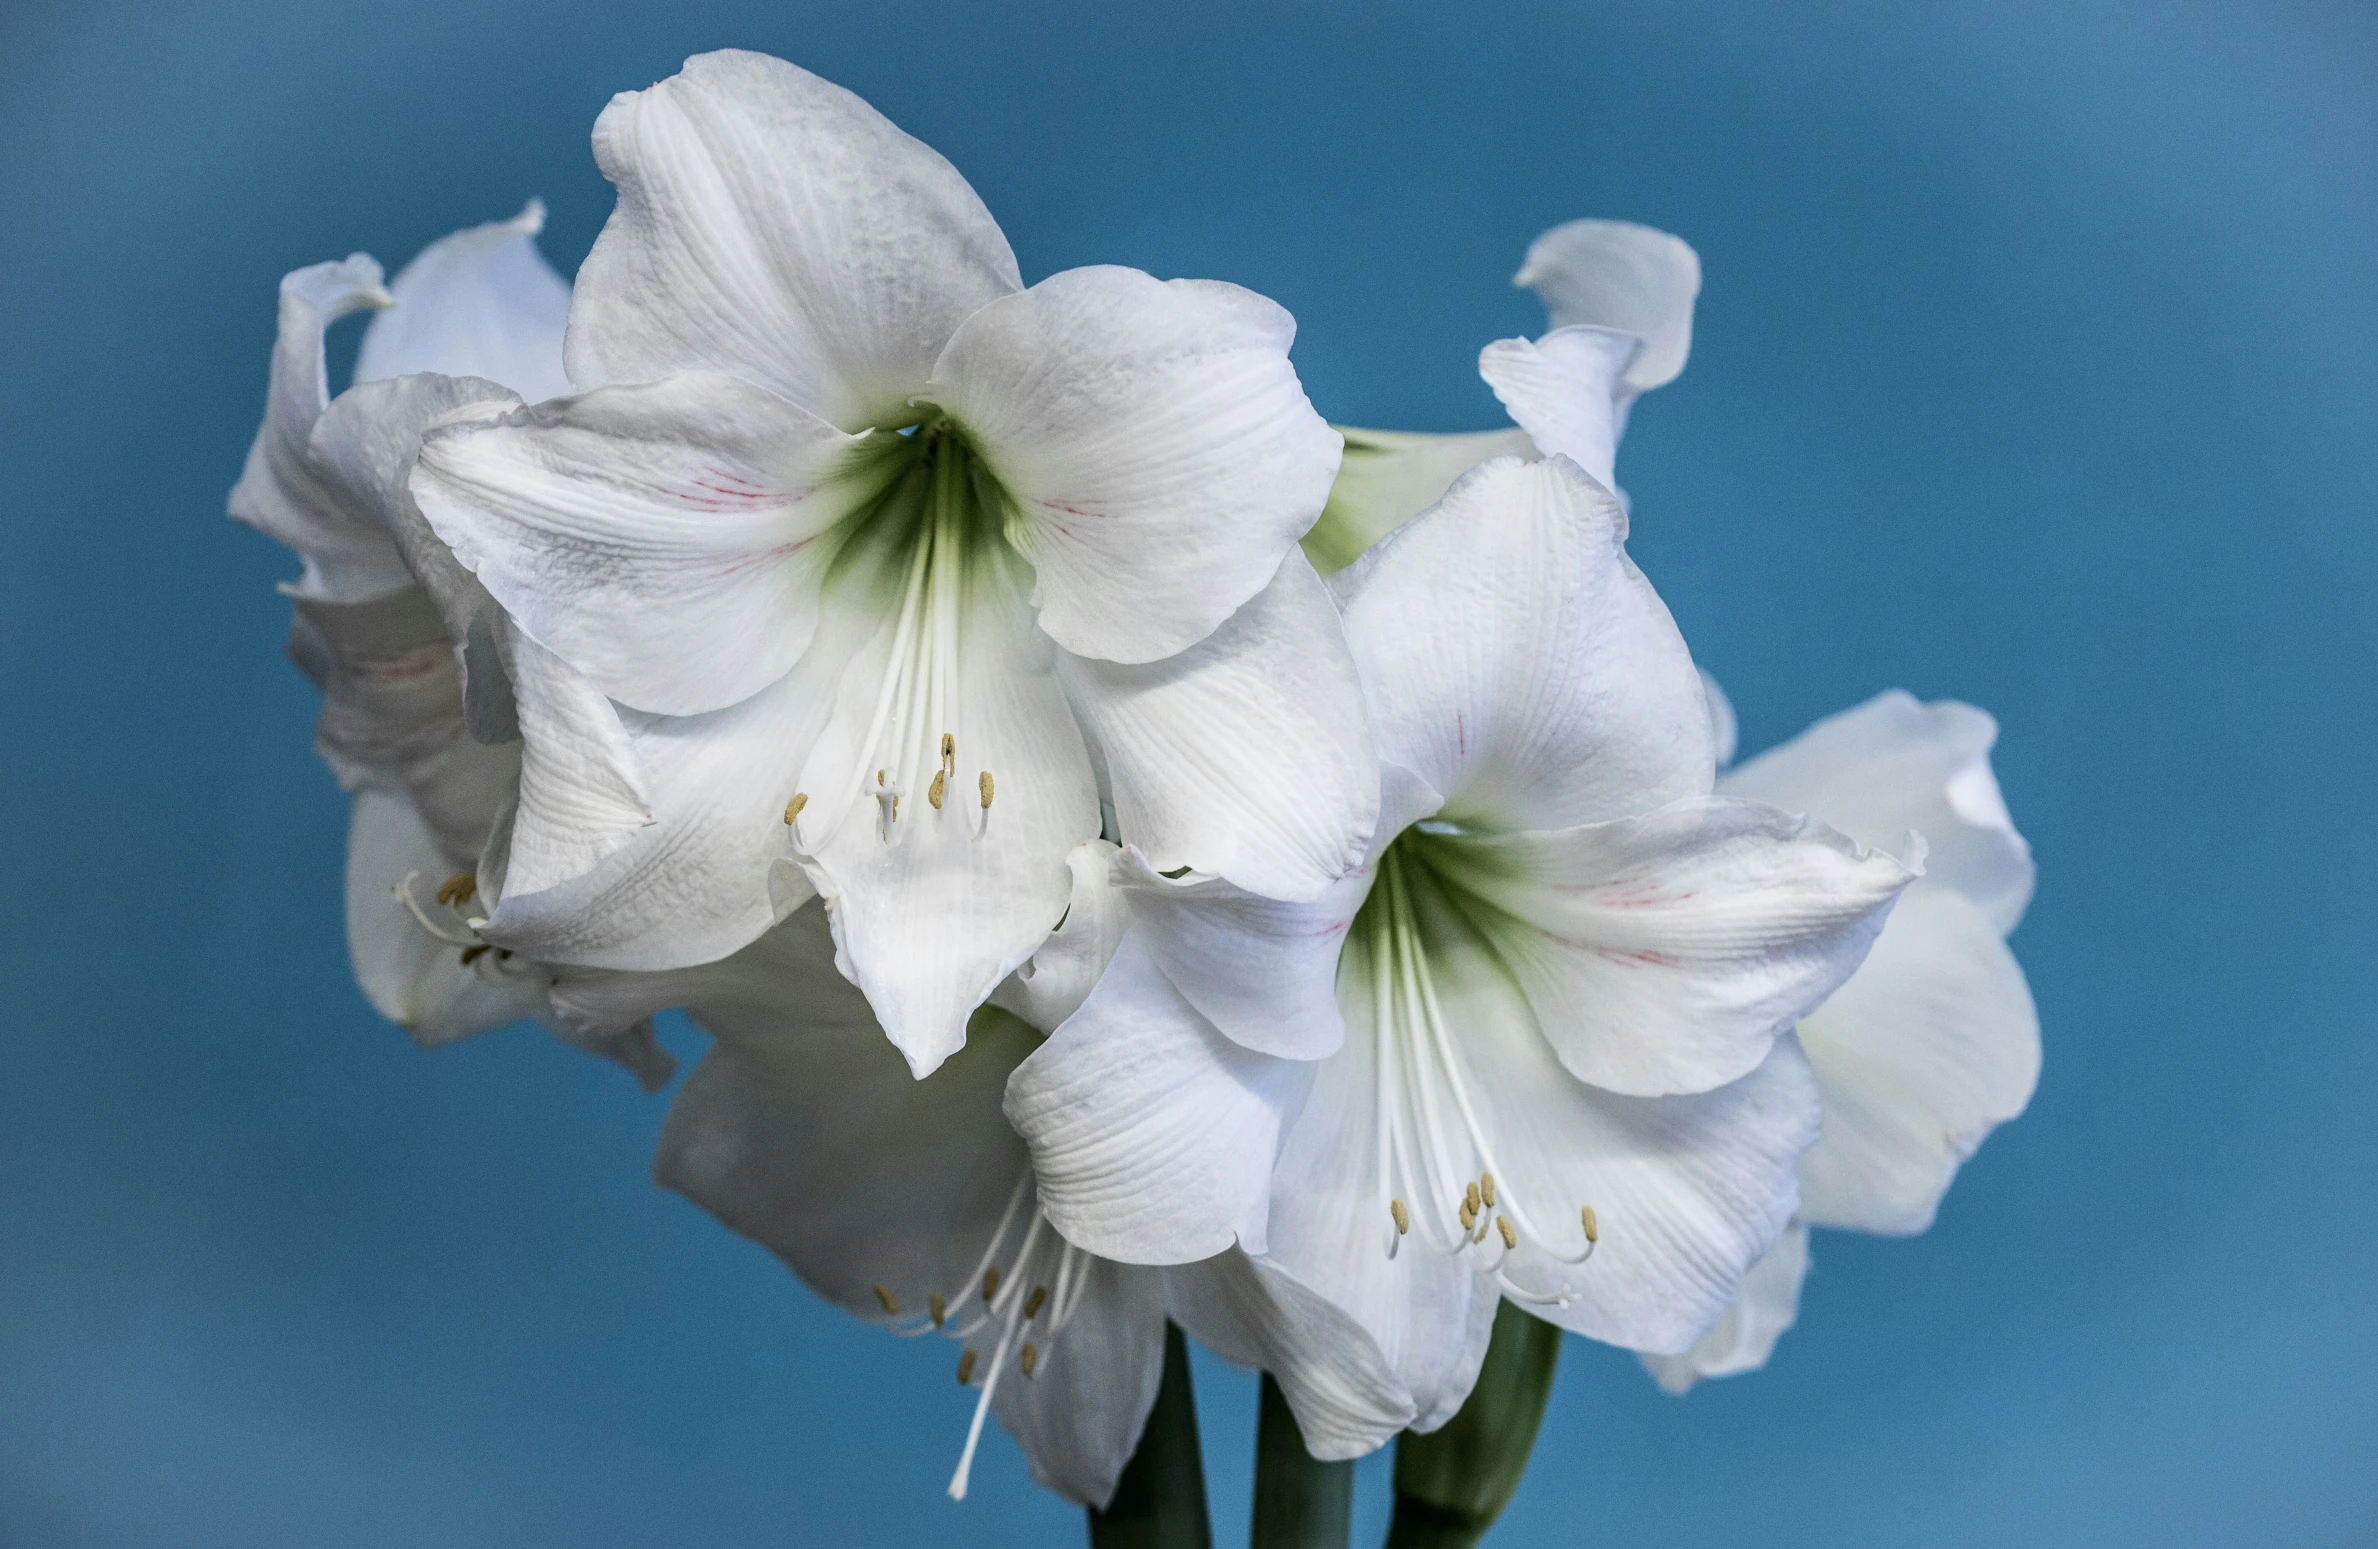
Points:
[(936, 1308), (458, 889), (1469, 1214), (949, 747), (1034, 1302), (1030, 1358), (879, 777), (965, 1367), (933, 791), (990, 1282), (1510, 1235), (890, 1306), (1470, 1197), (1403, 1217), (792, 809), (1486, 1188), (985, 783), (1593, 1229), (895, 809)]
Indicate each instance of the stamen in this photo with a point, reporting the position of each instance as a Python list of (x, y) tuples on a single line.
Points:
[(1469, 1212), (792, 809), (1403, 1217), (458, 889), (1510, 1237), (1030, 1357), (985, 782), (933, 791), (935, 1307), (471, 955), (1470, 1197), (1033, 1303), (966, 1366), (1593, 1229), (990, 1282), (949, 747), (891, 1307), (879, 777), (412, 906), (1486, 1188)]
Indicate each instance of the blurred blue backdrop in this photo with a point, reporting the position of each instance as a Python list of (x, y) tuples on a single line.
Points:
[(2037, 366)]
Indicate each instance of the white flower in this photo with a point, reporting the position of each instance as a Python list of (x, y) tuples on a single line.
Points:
[(887, 561), (1934, 1040), (1540, 1047), (1621, 303), (911, 1203)]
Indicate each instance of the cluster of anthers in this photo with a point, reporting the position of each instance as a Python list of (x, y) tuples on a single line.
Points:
[(451, 924)]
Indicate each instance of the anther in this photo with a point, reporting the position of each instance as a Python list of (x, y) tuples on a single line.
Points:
[(879, 777), (1403, 1217), (1593, 1230), (1469, 1213), (990, 1282), (471, 955), (792, 809), (1470, 1197), (1034, 1302), (985, 783), (1030, 1357), (1486, 1188), (933, 791), (965, 1367), (458, 889), (895, 809), (1510, 1237), (949, 747), (936, 1308), (891, 1307)]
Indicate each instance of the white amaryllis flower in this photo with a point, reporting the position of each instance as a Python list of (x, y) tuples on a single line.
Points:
[(1934, 1041), (1620, 298), (426, 794), (888, 562), (1540, 1046), (911, 1203)]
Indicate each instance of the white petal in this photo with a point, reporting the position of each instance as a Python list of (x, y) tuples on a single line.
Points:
[(1563, 391), (1664, 953), (1519, 663), (1745, 1337), (1261, 972), (1346, 1398), (662, 540), (1079, 1417), (1725, 732), (1052, 985), (1249, 754), (1157, 450), (480, 303), (774, 226), (1929, 1045), (1615, 274), (1891, 765), (1389, 477), (347, 556), (1151, 1133), (582, 794)]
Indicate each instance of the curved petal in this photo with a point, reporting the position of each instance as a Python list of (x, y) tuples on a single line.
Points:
[(480, 303), (1247, 755), (1079, 1416), (1518, 662), (1745, 1337), (1156, 448), (1346, 1398), (772, 225), (1665, 953), (1615, 274), (1930, 1044), (662, 540), (1725, 733), (347, 557), (1052, 985), (1563, 391), (1893, 764), (1389, 477), (1151, 1133), (582, 795), (1261, 972)]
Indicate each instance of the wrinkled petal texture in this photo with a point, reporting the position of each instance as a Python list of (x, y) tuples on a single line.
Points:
[(1389, 477), (772, 226), (480, 303), (1745, 1337), (1615, 274), (1563, 391), (1156, 448)]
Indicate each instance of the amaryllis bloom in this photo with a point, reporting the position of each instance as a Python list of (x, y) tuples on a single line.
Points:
[(1540, 1046), (911, 1203), (1620, 297), (1934, 1041), (393, 725), (892, 567)]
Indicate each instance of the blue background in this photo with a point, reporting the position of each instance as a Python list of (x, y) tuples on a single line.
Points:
[(2037, 366)]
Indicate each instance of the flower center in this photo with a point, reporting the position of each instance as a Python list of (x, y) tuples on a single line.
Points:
[(1434, 1157)]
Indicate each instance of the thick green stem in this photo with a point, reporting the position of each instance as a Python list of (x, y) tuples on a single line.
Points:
[(1452, 1483), (1300, 1501), (1160, 1502)]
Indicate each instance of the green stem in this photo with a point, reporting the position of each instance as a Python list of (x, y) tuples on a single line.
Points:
[(1452, 1483), (1160, 1502), (1300, 1501)]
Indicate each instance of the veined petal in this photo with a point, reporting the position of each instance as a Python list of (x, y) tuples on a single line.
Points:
[(1156, 449), (1248, 755), (480, 303), (1080, 1415), (1563, 390), (1930, 1044), (663, 540), (1389, 477), (1664, 953), (347, 557), (773, 226), (1893, 764), (1518, 662), (1743, 1339), (1057, 978), (1615, 274), (582, 794), (1151, 1133)]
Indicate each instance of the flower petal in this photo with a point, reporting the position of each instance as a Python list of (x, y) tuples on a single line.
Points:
[(1615, 274), (1665, 953), (1725, 733), (1389, 477), (1930, 1044), (1248, 755), (347, 557), (1745, 1337), (1157, 450), (582, 792), (1151, 1133), (1079, 1417), (773, 226), (1054, 982), (1893, 764), (662, 540), (1563, 391), (480, 303), (1518, 662)]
